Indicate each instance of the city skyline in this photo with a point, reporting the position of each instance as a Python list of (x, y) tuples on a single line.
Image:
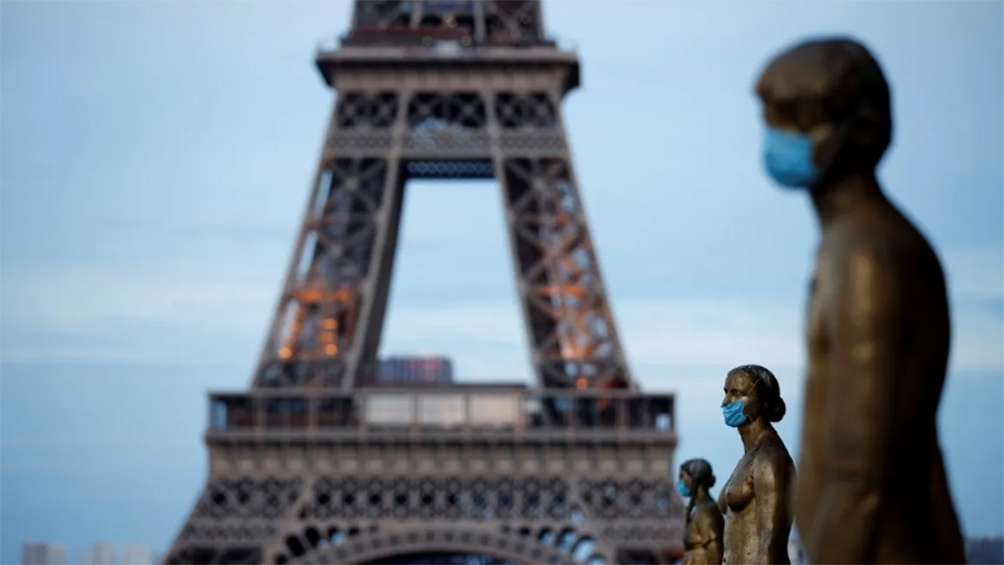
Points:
[(156, 159), (99, 553)]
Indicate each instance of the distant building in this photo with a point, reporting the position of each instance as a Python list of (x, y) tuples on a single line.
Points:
[(102, 554), (415, 370), (136, 554), (40, 553), (58, 555), (34, 553), (985, 549)]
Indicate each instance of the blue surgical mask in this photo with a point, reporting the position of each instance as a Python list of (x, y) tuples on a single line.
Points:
[(733, 413), (788, 158), (682, 489)]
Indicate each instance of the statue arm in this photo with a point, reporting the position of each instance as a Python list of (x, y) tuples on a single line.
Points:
[(696, 534), (772, 487), (714, 551), (703, 527), (859, 417)]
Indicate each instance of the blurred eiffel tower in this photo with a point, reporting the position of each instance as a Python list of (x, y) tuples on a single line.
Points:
[(319, 464)]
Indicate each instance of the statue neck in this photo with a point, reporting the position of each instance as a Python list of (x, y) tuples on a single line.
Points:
[(700, 495), (845, 195), (754, 433)]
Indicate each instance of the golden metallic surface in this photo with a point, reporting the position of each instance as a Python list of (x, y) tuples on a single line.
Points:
[(756, 500), (702, 540), (872, 485)]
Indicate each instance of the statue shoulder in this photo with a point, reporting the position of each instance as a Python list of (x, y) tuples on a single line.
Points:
[(857, 255), (856, 238), (708, 517), (707, 509), (774, 463)]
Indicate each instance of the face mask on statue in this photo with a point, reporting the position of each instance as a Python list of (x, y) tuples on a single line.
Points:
[(682, 489), (733, 413), (788, 158)]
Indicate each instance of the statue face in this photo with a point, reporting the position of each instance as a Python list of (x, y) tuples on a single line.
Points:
[(810, 120), (804, 115), (686, 479), (739, 386)]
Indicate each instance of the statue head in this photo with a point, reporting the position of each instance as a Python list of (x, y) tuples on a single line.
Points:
[(694, 474), (751, 393), (827, 110)]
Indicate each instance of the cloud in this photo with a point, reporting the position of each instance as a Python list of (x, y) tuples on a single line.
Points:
[(244, 231), (976, 290), (977, 340), (132, 313), (127, 314), (654, 332), (975, 273)]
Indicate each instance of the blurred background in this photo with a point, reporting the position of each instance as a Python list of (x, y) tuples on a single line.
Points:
[(156, 157)]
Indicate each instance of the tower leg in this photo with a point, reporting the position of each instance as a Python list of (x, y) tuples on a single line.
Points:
[(573, 339), (331, 312)]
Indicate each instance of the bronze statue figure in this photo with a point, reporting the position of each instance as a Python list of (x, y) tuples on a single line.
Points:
[(756, 500), (702, 540), (872, 485)]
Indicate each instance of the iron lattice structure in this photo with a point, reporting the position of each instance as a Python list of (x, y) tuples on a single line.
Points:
[(316, 463)]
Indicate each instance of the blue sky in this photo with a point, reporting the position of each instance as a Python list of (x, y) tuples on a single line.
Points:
[(156, 157)]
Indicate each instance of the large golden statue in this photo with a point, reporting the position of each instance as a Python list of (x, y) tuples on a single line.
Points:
[(702, 540), (872, 485), (756, 500)]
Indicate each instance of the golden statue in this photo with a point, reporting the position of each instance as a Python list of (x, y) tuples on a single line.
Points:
[(872, 485), (702, 541), (756, 500)]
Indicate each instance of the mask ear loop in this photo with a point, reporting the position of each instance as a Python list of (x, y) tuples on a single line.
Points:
[(756, 381), (841, 133), (753, 386)]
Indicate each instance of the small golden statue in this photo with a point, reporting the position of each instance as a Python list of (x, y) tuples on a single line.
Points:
[(702, 541), (756, 500)]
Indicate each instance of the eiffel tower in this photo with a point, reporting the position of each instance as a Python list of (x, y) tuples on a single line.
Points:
[(318, 462)]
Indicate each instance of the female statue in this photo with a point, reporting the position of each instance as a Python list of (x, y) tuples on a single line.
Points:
[(702, 540), (756, 500)]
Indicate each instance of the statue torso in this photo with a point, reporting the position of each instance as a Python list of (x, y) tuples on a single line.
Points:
[(744, 532), (915, 487), (703, 538)]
